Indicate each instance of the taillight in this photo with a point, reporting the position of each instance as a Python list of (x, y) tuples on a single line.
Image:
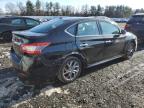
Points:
[(127, 27), (34, 48)]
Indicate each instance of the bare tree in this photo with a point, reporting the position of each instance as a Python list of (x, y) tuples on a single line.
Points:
[(57, 8), (11, 9), (93, 10), (21, 8), (67, 10), (85, 10), (49, 8), (30, 8), (38, 7)]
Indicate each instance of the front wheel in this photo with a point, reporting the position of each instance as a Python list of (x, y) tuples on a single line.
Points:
[(70, 70), (130, 49)]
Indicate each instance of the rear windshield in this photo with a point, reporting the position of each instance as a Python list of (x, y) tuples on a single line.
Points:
[(137, 18), (47, 26)]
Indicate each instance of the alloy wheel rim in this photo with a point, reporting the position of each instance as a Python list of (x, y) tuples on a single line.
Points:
[(71, 70)]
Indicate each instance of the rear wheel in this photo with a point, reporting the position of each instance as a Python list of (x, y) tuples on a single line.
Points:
[(130, 49), (7, 36), (70, 70)]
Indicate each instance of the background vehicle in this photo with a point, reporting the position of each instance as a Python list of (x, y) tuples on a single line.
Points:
[(12, 23), (63, 47), (136, 26)]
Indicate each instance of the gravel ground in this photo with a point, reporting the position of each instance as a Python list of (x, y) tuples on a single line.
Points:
[(116, 84)]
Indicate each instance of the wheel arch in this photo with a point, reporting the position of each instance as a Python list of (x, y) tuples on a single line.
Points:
[(135, 43), (6, 37), (79, 56), (131, 41)]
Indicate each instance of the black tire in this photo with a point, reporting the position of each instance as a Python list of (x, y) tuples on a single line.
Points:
[(7, 36), (130, 49), (62, 73)]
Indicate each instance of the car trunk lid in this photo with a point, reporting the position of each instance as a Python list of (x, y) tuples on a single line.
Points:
[(25, 37)]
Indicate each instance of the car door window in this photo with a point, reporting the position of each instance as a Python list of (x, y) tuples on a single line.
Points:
[(87, 29), (108, 28), (17, 22), (30, 22)]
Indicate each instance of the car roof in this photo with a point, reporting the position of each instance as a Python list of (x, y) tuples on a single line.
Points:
[(87, 18), (9, 17), (78, 19), (139, 14)]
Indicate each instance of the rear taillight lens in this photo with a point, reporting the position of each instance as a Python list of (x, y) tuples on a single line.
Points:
[(34, 48), (127, 27)]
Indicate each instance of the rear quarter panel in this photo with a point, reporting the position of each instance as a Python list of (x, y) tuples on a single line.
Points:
[(58, 48)]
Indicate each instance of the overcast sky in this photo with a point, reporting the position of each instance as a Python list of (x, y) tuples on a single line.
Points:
[(77, 3)]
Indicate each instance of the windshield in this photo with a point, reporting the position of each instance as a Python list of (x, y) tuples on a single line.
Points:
[(47, 26)]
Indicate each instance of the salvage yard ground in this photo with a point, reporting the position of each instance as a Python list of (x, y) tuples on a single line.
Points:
[(116, 84)]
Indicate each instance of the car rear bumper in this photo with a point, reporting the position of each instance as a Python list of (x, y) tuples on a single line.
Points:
[(34, 68)]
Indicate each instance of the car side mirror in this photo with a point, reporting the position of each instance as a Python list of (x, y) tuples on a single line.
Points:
[(123, 31)]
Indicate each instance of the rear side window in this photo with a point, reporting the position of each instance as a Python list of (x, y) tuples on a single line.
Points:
[(17, 22), (72, 30), (108, 28), (87, 29), (31, 22), (47, 26), (136, 18)]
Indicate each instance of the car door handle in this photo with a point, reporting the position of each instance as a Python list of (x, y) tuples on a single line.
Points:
[(108, 42), (83, 45)]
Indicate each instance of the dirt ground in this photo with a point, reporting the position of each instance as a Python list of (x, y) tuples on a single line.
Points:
[(116, 84)]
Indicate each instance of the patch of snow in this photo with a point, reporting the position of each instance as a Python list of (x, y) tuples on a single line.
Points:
[(7, 54), (23, 102), (4, 49), (1, 49), (2, 56), (48, 91), (66, 91)]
